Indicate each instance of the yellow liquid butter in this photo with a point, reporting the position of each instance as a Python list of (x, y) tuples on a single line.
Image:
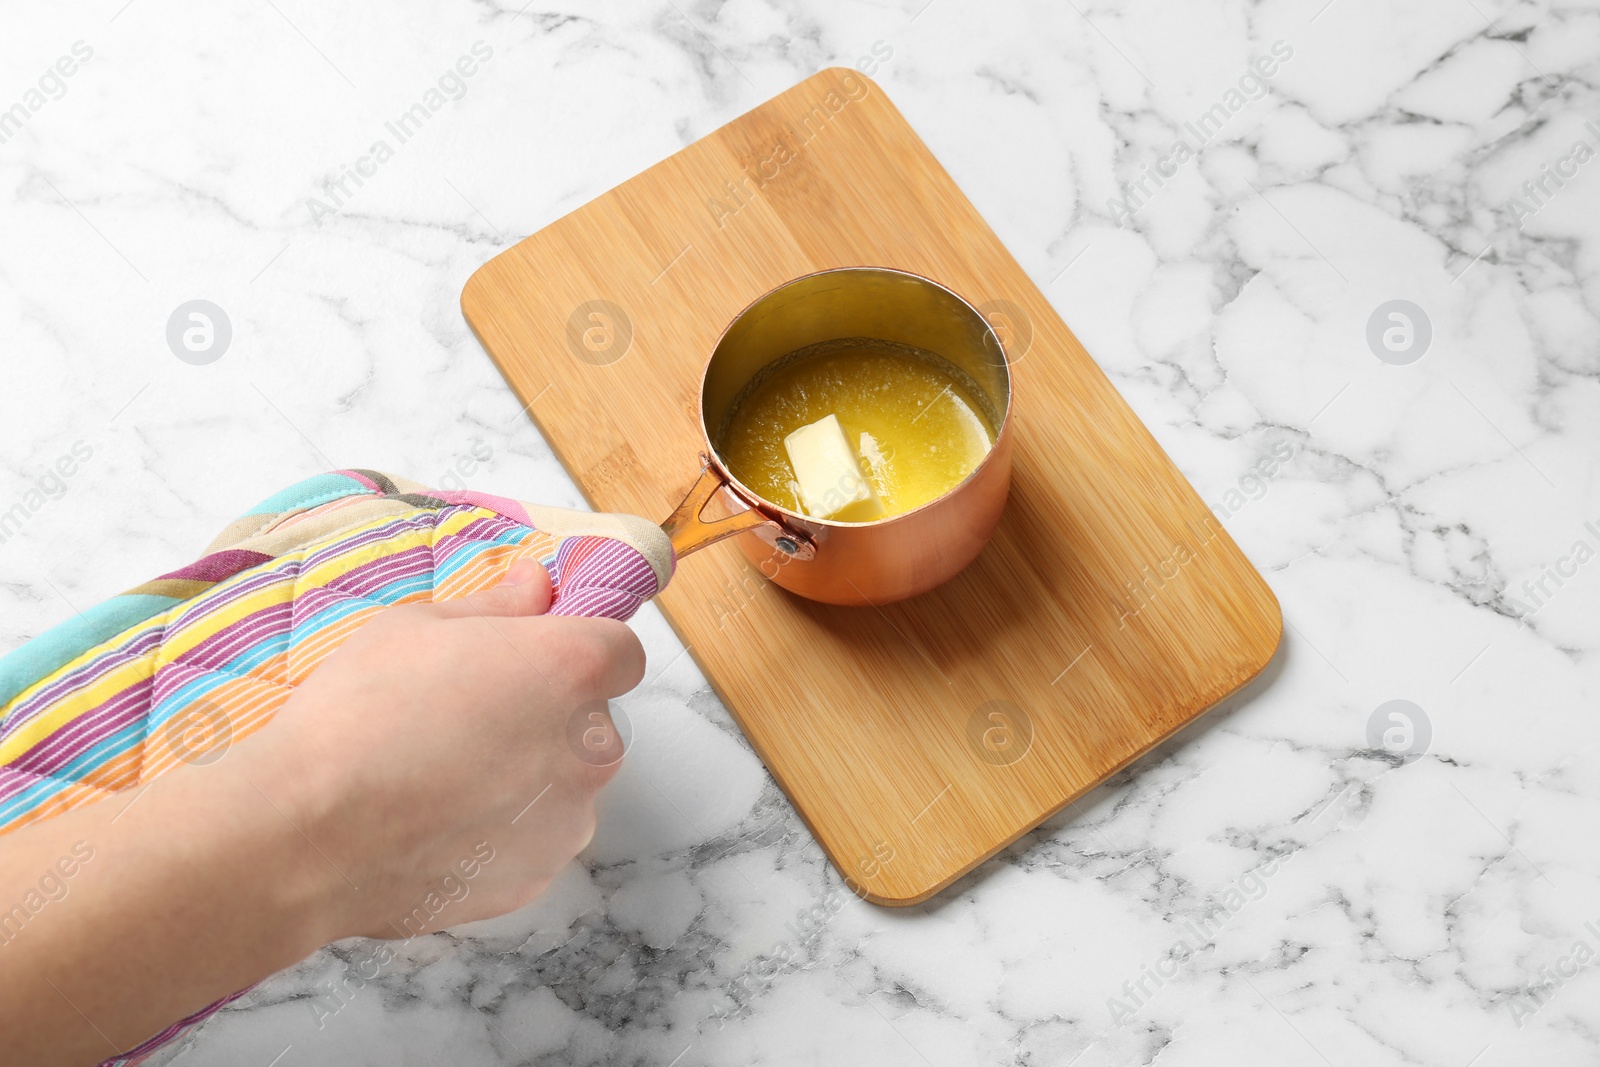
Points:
[(916, 429)]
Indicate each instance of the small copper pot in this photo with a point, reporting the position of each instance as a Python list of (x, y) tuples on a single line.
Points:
[(843, 562)]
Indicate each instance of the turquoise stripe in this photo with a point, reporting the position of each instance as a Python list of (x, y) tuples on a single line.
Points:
[(181, 697), (257, 654), (106, 620), (311, 492), (469, 550), (63, 643), (250, 658), (108, 749)]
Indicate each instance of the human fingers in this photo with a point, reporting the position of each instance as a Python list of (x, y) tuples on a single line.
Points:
[(596, 658), (525, 590)]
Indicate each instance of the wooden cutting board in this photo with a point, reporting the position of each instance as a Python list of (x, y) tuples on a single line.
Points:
[(919, 739)]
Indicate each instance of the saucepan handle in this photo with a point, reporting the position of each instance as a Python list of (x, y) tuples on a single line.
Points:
[(690, 531)]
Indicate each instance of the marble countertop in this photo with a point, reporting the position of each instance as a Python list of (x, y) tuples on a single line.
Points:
[(1226, 202)]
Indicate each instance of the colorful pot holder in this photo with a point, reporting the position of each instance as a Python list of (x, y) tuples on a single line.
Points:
[(188, 663)]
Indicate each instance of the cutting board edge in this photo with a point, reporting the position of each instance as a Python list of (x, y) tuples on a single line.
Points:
[(1275, 618), (550, 439), (594, 201), (1271, 619)]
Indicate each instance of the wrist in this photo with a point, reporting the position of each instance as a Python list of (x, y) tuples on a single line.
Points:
[(312, 875)]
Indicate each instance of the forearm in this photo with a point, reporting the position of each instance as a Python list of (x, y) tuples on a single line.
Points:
[(178, 896), (410, 759)]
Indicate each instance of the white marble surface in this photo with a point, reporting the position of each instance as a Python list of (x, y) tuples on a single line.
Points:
[(1372, 911)]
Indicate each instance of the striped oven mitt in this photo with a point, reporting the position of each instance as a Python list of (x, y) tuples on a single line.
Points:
[(196, 659)]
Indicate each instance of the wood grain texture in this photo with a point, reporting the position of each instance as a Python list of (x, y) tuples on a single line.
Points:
[(1110, 609)]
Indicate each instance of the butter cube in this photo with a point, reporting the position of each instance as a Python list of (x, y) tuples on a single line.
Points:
[(829, 478)]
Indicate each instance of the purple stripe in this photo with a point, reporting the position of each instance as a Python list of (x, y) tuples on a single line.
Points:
[(119, 711), (216, 600), (633, 573), (219, 565), (170, 679), (220, 648), (612, 603), (580, 574), (489, 527), (224, 646), (83, 733), (377, 533), (82, 677), (113, 714), (617, 565), (13, 781), (219, 600), (279, 620), (477, 532), (145, 639), (609, 578), (151, 1044), (362, 581)]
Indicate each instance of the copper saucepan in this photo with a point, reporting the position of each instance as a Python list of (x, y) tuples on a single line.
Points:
[(852, 563)]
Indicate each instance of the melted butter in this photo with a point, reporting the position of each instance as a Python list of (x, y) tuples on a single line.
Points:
[(916, 430)]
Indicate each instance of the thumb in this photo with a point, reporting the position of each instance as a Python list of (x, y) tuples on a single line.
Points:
[(525, 590)]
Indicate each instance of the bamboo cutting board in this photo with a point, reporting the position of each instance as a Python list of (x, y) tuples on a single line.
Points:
[(918, 739)]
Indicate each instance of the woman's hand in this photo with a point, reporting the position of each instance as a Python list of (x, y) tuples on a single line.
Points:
[(446, 758), (440, 766)]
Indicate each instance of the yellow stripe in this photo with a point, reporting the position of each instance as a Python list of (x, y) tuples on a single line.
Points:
[(181, 639), (308, 654), (77, 703)]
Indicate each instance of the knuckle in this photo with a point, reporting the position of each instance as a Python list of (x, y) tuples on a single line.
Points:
[(623, 648), (585, 664)]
